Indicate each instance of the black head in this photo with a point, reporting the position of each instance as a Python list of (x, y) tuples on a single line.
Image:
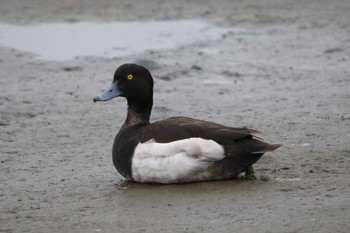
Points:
[(133, 82), (130, 81)]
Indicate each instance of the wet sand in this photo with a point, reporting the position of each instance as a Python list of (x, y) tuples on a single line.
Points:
[(283, 69)]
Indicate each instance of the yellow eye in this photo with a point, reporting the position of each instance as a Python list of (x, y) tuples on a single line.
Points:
[(130, 77)]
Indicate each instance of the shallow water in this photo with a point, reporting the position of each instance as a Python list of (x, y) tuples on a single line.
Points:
[(66, 41)]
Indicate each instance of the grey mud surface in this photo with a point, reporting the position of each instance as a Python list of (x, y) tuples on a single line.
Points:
[(284, 70)]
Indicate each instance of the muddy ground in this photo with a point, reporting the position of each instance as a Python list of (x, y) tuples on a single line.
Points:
[(284, 72)]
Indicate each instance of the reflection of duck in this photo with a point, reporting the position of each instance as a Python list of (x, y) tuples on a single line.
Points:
[(177, 149)]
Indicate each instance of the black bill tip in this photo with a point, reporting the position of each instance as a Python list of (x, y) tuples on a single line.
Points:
[(97, 98)]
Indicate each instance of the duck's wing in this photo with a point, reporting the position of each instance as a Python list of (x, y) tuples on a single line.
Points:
[(178, 128)]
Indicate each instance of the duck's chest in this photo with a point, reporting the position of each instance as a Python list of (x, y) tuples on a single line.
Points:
[(123, 149)]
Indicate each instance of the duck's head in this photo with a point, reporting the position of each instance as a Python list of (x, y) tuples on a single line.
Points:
[(133, 82)]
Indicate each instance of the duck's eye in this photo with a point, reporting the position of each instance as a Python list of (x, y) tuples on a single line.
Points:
[(130, 77)]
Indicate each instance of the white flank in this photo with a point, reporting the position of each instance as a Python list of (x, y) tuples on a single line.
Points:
[(179, 161)]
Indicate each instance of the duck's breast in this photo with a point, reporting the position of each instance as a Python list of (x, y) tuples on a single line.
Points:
[(178, 161)]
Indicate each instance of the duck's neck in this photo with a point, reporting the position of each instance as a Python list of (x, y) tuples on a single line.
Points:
[(138, 114)]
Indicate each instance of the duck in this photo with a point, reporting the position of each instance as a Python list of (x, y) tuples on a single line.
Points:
[(178, 149)]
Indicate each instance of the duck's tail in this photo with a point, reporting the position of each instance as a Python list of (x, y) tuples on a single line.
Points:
[(244, 153), (249, 146), (267, 147)]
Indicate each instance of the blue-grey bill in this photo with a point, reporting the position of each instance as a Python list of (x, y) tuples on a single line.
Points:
[(108, 94)]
